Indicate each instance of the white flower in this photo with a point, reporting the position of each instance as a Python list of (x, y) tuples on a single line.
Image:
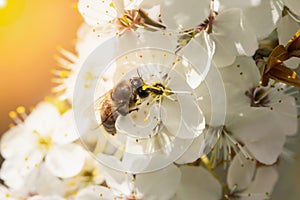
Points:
[(257, 119), (244, 181), (87, 41), (164, 127), (268, 12), (45, 136), (232, 36), (92, 173), (273, 99), (117, 15), (159, 185), (227, 28)]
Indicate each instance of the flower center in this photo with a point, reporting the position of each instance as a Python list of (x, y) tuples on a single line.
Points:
[(258, 97), (130, 20), (44, 142)]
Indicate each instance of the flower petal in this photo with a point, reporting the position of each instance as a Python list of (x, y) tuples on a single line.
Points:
[(197, 182), (48, 117), (234, 41), (263, 184), (180, 14), (6, 194), (10, 173), (195, 151), (66, 130), (286, 29), (66, 160), (137, 124), (239, 4), (20, 137), (294, 6), (50, 197), (268, 13), (44, 183), (169, 180), (15, 170), (94, 192), (285, 112), (199, 53), (240, 172), (243, 72), (262, 137), (97, 13)]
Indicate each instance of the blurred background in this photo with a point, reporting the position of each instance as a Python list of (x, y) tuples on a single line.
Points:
[(30, 32)]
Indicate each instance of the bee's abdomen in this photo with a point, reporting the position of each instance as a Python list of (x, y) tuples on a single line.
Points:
[(108, 116)]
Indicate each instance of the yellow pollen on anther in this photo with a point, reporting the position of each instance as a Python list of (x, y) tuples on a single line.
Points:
[(95, 172), (7, 195), (20, 109), (112, 5), (12, 114), (64, 74), (72, 184)]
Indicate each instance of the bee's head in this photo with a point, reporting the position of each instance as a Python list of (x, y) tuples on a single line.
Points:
[(137, 85)]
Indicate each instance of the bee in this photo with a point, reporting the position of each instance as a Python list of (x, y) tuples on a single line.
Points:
[(122, 100)]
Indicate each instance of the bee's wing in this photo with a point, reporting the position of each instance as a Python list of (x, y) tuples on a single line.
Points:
[(98, 102), (95, 106)]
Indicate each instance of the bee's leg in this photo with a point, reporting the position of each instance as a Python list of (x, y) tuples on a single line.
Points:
[(135, 109)]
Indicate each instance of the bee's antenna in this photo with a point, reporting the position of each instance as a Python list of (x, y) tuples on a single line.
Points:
[(138, 72)]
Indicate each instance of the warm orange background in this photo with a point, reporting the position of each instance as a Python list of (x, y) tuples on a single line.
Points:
[(30, 32)]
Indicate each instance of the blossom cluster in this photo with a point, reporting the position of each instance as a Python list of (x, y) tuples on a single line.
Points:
[(163, 99)]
